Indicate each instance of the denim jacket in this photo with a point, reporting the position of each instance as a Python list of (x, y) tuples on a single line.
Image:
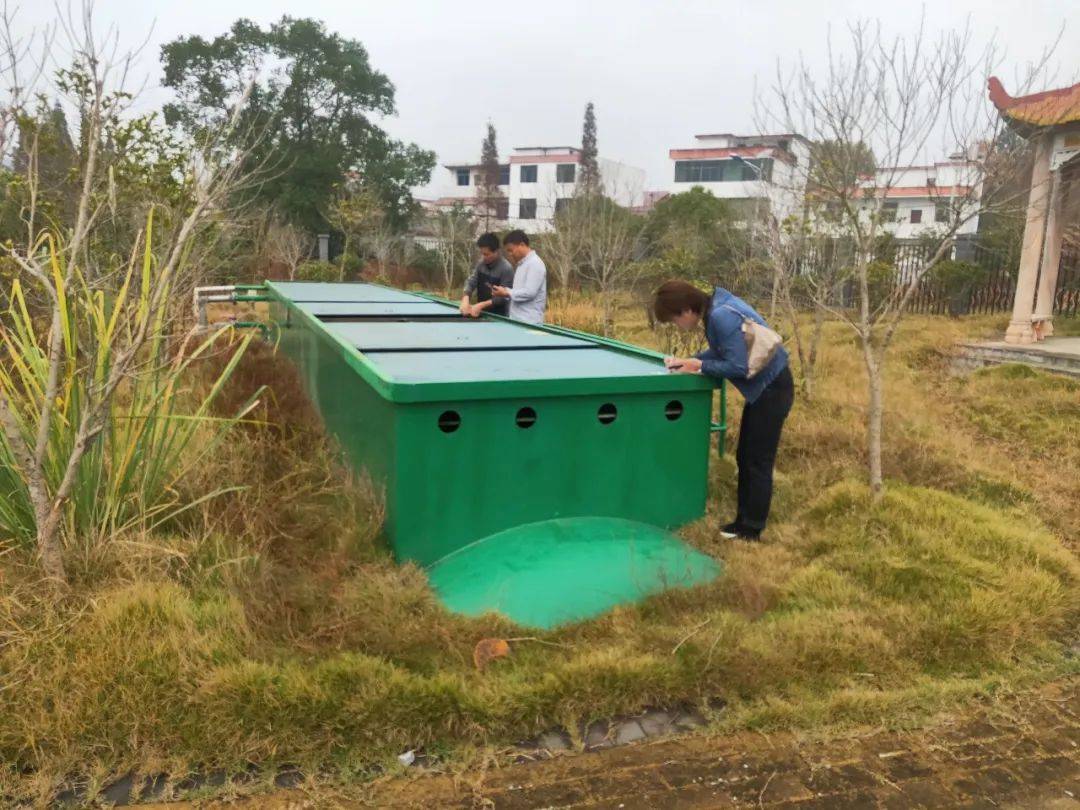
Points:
[(726, 357)]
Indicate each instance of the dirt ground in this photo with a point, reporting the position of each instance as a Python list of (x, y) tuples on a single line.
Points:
[(1019, 753)]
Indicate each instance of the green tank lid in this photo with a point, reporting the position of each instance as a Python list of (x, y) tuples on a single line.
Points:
[(565, 570)]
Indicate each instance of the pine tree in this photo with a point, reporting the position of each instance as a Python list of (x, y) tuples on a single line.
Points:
[(590, 170), (490, 195)]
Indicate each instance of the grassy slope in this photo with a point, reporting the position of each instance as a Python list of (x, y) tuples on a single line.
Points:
[(271, 627)]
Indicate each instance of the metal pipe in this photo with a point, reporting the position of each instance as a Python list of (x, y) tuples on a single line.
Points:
[(262, 327)]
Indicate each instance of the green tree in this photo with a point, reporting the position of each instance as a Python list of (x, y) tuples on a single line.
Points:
[(490, 195), (590, 169), (695, 231), (309, 115), (143, 164)]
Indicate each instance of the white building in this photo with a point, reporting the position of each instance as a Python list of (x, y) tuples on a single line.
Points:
[(922, 200), (537, 181), (737, 168), (744, 168)]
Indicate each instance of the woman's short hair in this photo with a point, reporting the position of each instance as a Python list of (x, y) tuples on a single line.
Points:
[(675, 297)]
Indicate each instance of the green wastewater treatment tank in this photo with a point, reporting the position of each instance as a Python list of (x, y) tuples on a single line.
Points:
[(531, 470)]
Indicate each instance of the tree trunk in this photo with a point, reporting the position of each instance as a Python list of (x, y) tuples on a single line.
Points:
[(873, 417), (810, 370), (609, 315), (796, 333), (775, 291), (49, 546), (344, 256)]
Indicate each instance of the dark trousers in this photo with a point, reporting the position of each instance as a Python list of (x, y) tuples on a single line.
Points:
[(759, 437)]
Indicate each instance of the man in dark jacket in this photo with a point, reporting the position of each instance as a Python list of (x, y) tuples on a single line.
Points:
[(769, 394), (493, 270)]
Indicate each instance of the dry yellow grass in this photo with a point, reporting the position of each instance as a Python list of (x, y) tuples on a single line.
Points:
[(273, 627)]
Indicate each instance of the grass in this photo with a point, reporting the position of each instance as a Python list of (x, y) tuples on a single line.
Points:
[(270, 625)]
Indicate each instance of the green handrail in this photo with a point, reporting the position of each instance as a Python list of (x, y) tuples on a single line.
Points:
[(721, 426)]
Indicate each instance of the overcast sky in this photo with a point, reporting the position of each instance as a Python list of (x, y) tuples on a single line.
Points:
[(658, 72)]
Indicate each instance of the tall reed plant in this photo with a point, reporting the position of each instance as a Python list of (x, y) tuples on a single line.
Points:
[(155, 426)]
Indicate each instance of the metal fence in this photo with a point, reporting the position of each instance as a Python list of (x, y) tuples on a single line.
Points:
[(992, 293), (1067, 294)]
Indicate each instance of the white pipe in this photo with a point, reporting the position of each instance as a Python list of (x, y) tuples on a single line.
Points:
[(204, 295)]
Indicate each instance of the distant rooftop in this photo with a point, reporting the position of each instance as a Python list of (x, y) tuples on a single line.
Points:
[(546, 149), (755, 138), (469, 165)]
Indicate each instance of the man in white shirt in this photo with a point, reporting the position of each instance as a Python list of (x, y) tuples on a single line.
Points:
[(528, 297)]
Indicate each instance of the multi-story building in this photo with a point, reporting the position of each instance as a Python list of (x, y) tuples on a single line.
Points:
[(537, 182), (745, 169), (775, 169), (921, 200)]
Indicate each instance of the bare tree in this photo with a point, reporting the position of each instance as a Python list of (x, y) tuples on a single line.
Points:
[(456, 230), (909, 98), (359, 215), (563, 246), (59, 261), (406, 250), (609, 235), (807, 267), (381, 240), (287, 244)]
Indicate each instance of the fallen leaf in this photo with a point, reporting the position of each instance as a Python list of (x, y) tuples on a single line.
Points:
[(487, 650)]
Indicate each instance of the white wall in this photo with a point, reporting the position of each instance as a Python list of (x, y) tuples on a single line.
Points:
[(785, 191), (449, 187), (904, 228), (622, 183), (944, 177)]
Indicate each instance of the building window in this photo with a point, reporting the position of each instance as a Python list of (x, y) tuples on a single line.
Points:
[(916, 216), (942, 212), (527, 207), (722, 171), (502, 208), (888, 212), (528, 173), (565, 172), (504, 175), (562, 203), (462, 177)]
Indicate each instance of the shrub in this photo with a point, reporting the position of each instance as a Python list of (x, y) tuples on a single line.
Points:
[(315, 270), (956, 280), (351, 266)]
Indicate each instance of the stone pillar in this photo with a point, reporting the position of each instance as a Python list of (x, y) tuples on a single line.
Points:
[(1019, 330), (964, 247), (324, 247), (1051, 261)]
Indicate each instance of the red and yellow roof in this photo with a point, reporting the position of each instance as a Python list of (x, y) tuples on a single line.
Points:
[(1046, 109)]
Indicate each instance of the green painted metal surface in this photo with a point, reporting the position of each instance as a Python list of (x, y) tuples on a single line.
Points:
[(301, 291), (333, 310), (461, 367), (471, 428), (421, 339), (557, 571)]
